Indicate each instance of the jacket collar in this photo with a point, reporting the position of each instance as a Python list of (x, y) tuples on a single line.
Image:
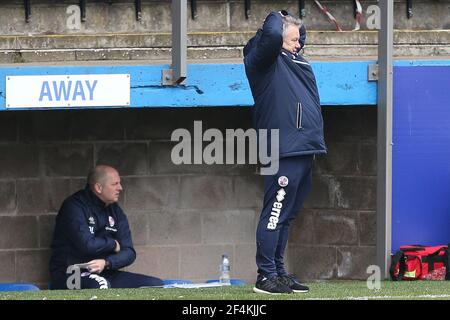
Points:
[(297, 58), (93, 198), (289, 54)]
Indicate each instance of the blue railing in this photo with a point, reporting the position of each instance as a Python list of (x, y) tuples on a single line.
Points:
[(343, 83)]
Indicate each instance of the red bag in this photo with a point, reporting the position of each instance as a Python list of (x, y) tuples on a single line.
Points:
[(418, 262)]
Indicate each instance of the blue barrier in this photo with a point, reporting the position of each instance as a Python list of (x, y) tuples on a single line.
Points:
[(176, 281), (340, 83), (233, 282), (18, 287), (421, 152)]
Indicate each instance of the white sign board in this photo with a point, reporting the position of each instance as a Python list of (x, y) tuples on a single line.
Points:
[(84, 90)]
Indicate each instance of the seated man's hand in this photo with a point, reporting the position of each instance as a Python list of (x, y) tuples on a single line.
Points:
[(96, 266), (117, 248)]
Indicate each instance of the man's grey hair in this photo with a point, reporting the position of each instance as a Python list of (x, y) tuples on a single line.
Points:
[(290, 21), (98, 174)]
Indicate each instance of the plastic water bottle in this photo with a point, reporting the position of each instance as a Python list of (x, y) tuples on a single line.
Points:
[(225, 271)]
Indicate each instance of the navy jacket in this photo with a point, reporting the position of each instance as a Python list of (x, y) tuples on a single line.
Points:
[(85, 230), (285, 91)]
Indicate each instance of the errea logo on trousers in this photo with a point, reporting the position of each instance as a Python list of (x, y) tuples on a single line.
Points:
[(276, 210)]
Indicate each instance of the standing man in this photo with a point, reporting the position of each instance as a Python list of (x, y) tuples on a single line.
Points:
[(286, 98), (91, 229)]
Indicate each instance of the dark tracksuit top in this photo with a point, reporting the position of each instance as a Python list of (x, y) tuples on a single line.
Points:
[(286, 98), (85, 230), (285, 92)]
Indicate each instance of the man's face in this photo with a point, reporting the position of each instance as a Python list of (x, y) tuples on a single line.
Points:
[(109, 190), (290, 40)]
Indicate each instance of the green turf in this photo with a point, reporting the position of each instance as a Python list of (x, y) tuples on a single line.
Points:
[(318, 290)]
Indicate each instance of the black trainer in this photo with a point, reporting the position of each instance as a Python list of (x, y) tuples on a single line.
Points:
[(293, 283), (271, 286)]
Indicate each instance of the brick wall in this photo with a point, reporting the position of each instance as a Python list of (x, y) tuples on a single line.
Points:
[(182, 217)]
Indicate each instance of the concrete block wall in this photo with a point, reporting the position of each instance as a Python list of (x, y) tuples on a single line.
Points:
[(55, 32), (55, 17), (183, 218), (335, 235)]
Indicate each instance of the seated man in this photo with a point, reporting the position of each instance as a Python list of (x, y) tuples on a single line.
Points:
[(91, 229)]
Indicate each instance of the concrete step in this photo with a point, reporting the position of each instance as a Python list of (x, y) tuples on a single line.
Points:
[(155, 54), (210, 39), (204, 55)]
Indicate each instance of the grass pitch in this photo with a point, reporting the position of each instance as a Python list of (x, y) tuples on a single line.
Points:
[(324, 290)]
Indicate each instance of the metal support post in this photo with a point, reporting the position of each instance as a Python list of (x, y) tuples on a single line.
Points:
[(248, 8), (384, 148), (138, 9), (409, 10), (27, 10), (194, 9), (83, 10), (178, 72), (301, 8)]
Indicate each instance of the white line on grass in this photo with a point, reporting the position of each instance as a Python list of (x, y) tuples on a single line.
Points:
[(426, 296)]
